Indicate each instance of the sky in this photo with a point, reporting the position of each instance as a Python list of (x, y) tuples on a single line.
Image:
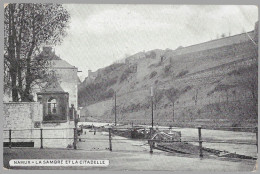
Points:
[(100, 34)]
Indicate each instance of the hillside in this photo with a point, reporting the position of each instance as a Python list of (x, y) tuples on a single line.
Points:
[(206, 87)]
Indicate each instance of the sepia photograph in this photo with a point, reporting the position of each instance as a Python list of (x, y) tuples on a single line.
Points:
[(130, 87)]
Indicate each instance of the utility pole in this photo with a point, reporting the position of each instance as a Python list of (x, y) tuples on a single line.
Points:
[(196, 97), (152, 104), (115, 108), (173, 111)]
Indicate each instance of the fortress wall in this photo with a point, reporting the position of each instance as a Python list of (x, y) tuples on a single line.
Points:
[(216, 43)]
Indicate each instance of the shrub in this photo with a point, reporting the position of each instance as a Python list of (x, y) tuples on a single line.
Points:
[(182, 73), (124, 75), (127, 72), (167, 69), (112, 67), (186, 89), (152, 55), (154, 73)]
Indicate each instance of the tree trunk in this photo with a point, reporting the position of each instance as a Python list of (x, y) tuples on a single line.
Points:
[(18, 53), (11, 54), (28, 78)]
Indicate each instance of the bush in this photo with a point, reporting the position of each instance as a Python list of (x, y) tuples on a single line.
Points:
[(167, 69), (182, 73), (112, 67), (186, 89), (127, 72), (152, 55), (154, 73)]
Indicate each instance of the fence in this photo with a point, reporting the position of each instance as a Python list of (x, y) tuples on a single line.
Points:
[(189, 140), (30, 137)]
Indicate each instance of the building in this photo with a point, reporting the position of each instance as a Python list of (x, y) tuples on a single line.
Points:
[(66, 74), (53, 112)]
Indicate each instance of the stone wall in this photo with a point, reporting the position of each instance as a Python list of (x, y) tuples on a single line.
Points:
[(215, 43), (21, 117), (57, 130)]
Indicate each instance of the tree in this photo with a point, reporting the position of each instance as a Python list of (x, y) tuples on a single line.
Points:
[(27, 27), (249, 81), (173, 95)]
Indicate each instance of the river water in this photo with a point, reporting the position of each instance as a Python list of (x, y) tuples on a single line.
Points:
[(191, 134)]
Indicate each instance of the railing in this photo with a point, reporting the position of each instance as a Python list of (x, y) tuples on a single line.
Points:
[(146, 136), (41, 137)]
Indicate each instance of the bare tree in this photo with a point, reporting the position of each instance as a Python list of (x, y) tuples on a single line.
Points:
[(249, 81), (27, 27)]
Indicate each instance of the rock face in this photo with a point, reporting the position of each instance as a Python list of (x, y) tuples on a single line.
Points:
[(205, 84)]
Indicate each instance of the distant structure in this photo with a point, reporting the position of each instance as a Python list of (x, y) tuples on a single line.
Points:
[(91, 77)]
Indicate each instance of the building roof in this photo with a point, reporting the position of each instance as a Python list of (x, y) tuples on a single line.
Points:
[(52, 87), (62, 64), (48, 54), (54, 60)]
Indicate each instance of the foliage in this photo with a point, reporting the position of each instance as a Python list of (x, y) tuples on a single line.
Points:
[(153, 74), (112, 67), (167, 69), (96, 91), (249, 81), (220, 87), (174, 94), (182, 73), (127, 72), (152, 55), (27, 27)]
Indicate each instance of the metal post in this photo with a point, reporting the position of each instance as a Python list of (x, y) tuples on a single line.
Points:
[(115, 108), (110, 138), (10, 138), (256, 131), (150, 141), (200, 141), (173, 111), (72, 108), (152, 112), (152, 103), (41, 139), (75, 138)]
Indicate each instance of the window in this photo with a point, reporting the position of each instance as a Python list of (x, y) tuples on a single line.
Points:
[(52, 104)]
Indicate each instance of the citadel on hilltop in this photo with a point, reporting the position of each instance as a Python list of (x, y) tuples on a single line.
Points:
[(209, 77)]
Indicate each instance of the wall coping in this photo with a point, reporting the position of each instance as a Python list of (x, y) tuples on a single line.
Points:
[(55, 121), (216, 40), (21, 102)]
